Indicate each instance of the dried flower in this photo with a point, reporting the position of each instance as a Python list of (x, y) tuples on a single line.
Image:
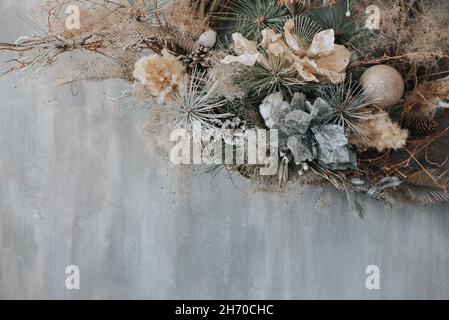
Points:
[(380, 133), (247, 51), (427, 98), (225, 75), (323, 59), (162, 75)]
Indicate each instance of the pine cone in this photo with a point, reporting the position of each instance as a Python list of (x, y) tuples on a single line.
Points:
[(199, 58), (420, 126)]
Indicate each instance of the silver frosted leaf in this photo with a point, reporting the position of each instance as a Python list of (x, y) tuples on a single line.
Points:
[(333, 148), (319, 108), (296, 122), (298, 102), (384, 184), (299, 148)]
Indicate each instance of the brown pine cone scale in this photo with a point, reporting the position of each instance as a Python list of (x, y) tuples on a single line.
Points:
[(420, 126)]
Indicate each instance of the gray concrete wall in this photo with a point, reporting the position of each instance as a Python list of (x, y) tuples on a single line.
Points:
[(81, 185)]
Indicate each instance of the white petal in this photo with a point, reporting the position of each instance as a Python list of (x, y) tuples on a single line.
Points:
[(322, 44), (291, 39), (337, 61), (246, 59), (243, 45)]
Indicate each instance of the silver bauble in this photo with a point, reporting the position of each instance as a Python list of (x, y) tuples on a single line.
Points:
[(384, 85)]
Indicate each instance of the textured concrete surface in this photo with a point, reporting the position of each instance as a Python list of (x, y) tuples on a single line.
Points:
[(81, 185)]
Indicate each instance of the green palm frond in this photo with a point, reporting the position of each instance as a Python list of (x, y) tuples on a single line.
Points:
[(335, 18), (252, 16), (306, 29)]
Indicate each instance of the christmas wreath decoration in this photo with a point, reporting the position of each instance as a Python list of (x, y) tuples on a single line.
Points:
[(355, 93)]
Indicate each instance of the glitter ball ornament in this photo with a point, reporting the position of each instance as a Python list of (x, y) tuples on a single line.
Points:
[(384, 85)]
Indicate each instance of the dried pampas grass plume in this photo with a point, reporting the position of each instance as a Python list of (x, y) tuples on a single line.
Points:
[(426, 99), (161, 74), (186, 20), (380, 133)]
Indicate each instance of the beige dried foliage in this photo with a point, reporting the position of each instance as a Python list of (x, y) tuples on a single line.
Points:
[(426, 98), (225, 74), (161, 74), (381, 133), (91, 20), (187, 20), (180, 20), (430, 32), (101, 23), (323, 59), (420, 36)]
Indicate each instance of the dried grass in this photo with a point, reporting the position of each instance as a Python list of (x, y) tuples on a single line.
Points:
[(419, 33), (187, 20), (380, 133)]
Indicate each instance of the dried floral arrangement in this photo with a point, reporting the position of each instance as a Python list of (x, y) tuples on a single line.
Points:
[(365, 109)]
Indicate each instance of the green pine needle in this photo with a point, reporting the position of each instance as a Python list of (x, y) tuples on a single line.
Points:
[(271, 74), (349, 106)]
